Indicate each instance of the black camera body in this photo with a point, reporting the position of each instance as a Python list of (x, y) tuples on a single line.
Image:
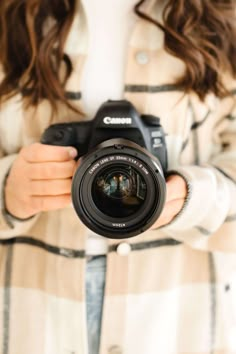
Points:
[(118, 190), (114, 120)]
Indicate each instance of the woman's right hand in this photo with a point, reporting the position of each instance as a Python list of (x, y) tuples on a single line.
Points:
[(40, 180)]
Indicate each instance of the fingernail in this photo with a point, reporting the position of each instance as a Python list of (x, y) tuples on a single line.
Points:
[(72, 152)]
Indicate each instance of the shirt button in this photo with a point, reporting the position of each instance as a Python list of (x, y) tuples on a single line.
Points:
[(142, 58), (123, 249), (115, 349)]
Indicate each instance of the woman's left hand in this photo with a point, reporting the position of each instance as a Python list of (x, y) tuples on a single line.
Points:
[(176, 194)]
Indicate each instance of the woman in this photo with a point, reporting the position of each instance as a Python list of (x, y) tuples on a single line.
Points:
[(167, 290)]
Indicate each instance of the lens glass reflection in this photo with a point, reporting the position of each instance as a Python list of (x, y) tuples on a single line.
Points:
[(119, 191)]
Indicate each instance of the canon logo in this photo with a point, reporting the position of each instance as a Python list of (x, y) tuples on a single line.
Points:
[(116, 120)]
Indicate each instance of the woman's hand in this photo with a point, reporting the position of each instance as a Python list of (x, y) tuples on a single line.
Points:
[(176, 194), (40, 180)]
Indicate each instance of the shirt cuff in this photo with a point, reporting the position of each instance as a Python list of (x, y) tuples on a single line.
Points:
[(204, 195)]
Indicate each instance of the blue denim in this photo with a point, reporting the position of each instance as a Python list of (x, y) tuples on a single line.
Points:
[(95, 284)]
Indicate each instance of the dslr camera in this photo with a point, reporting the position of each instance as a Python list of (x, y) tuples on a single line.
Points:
[(119, 188)]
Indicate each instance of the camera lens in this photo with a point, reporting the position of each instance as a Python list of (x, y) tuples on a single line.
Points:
[(119, 191)]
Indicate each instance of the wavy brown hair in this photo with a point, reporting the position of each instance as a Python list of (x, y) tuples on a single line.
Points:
[(200, 32)]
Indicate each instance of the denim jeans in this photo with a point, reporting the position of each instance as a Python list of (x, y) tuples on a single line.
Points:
[(95, 284)]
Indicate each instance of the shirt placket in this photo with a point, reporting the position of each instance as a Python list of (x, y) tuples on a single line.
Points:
[(113, 327)]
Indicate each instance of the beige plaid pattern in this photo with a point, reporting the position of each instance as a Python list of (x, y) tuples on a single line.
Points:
[(173, 293)]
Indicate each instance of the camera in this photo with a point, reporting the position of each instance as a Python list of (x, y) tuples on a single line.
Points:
[(119, 189)]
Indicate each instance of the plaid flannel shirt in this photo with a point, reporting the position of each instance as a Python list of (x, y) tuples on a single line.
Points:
[(173, 290)]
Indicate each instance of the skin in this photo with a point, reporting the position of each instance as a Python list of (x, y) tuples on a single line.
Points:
[(177, 191), (45, 173)]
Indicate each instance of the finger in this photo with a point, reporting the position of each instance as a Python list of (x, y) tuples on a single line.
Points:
[(51, 170), (47, 203), (169, 212), (176, 188), (50, 187), (48, 153)]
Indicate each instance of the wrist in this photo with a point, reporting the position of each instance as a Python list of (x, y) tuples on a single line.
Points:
[(14, 213)]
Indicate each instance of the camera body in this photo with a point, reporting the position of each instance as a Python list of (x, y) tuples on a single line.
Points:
[(119, 188), (114, 120)]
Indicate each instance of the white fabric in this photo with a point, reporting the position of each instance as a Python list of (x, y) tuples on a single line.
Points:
[(110, 25)]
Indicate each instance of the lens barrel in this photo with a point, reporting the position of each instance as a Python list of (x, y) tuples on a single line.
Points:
[(119, 189)]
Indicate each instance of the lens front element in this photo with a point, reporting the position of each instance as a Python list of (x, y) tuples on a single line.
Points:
[(119, 191)]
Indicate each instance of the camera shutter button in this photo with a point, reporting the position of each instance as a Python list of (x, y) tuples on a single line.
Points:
[(123, 249)]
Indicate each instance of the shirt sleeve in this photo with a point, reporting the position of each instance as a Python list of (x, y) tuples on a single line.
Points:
[(208, 218)]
